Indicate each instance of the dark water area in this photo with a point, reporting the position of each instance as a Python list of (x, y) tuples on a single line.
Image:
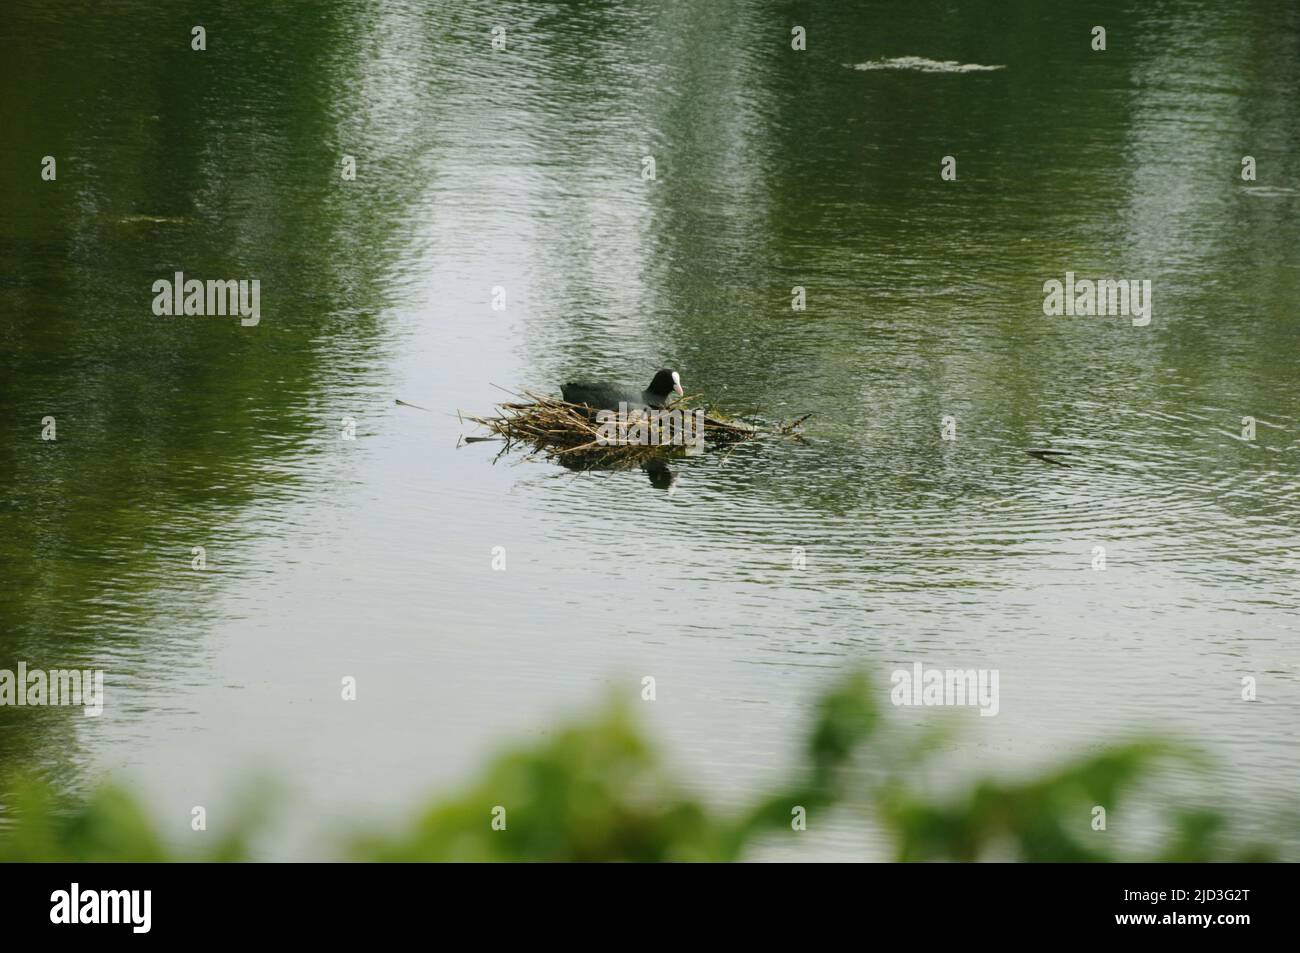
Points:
[(522, 170)]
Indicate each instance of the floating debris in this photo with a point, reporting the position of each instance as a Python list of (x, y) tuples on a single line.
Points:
[(1268, 191), (922, 65), (152, 220), (1048, 455)]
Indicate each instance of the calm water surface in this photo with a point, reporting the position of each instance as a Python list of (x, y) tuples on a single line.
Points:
[(522, 169)]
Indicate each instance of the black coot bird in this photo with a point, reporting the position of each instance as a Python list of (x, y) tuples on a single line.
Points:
[(609, 396)]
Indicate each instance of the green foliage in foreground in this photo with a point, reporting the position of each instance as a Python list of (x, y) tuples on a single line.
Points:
[(109, 826), (597, 791)]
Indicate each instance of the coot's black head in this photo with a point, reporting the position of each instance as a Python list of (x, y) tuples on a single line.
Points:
[(665, 382)]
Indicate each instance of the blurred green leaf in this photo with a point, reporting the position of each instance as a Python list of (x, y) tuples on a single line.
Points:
[(597, 791)]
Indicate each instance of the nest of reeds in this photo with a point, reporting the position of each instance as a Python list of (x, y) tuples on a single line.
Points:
[(582, 438)]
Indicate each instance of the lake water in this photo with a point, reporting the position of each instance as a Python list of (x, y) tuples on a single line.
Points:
[(522, 170)]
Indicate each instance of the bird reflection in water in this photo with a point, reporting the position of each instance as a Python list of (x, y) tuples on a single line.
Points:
[(661, 475)]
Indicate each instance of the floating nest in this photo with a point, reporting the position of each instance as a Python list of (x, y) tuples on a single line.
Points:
[(581, 438)]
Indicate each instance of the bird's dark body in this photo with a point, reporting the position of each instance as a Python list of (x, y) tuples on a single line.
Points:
[(609, 396)]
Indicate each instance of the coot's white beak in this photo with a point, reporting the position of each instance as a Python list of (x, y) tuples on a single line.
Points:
[(677, 384)]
